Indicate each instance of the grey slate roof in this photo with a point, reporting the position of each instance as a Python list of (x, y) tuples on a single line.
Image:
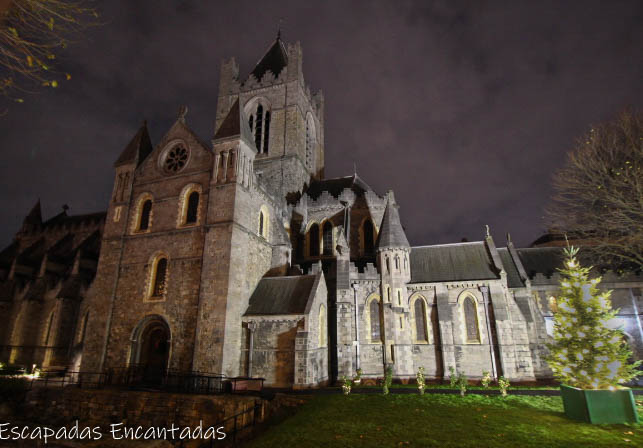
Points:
[(513, 277), (275, 59), (543, 260), (235, 124), (451, 262), (391, 232), (137, 149), (337, 185), (281, 295)]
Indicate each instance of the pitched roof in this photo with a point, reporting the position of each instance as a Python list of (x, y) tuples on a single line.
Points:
[(513, 277), (35, 215), (281, 295), (137, 149), (275, 59), (451, 262), (541, 260), (235, 124), (391, 233), (64, 219), (337, 185)]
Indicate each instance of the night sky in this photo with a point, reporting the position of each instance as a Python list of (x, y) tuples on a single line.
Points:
[(464, 109)]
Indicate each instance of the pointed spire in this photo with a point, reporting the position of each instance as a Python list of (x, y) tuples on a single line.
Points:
[(235, 124), (391, 233), (35, 215), (137, 149), (275, 59)]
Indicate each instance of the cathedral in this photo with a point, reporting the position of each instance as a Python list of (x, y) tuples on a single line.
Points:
[(237, 256)]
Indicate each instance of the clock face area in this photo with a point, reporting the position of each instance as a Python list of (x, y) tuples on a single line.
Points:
[(174, 158)]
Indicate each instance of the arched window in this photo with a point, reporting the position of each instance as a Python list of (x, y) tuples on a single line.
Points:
[(397, 263), (160, 278), (193, 208), (375, 317), (313, 240), (146, 211), (388, 265), (259, 123), (322, 326), (399, 297), (471, 319), (261, 223), (419, 314), (553, 304), (369, 241), (328, 238)]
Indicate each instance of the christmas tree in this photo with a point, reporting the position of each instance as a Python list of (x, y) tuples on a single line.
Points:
[(585, 352)]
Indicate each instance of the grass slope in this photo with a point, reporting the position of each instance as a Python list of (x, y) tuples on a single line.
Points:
[(440, 420)]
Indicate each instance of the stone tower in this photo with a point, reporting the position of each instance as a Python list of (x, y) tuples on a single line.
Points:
[(393, 251), (285, 120)]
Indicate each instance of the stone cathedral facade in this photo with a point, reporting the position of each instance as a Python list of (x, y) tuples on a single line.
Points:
[(237, 256)]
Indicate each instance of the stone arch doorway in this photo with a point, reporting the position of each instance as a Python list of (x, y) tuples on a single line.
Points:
[(151, 344)]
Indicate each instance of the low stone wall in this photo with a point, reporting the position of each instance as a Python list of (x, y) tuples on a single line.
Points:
[(103, 407)]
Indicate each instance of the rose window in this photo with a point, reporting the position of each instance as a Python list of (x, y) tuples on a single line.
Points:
[(176, 159)]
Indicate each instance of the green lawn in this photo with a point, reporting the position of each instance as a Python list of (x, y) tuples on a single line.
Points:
[(440, 420)]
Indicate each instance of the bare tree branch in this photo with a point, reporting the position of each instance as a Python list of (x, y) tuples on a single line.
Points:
[(599, 192), (32, 33)]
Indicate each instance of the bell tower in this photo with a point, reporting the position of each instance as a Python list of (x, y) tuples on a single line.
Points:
[(286, 121)]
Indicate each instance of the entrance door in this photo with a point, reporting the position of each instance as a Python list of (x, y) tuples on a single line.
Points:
[(154, 351)]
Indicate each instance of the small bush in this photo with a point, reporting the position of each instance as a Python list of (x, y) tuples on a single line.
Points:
[(388, 380)]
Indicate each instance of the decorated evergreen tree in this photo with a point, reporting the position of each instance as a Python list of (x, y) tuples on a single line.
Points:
[(585, 352)]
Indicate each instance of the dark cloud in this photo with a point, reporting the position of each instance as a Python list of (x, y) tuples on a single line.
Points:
[(463, 108)]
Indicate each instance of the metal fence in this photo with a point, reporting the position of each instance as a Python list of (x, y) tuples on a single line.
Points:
[(140, 377)]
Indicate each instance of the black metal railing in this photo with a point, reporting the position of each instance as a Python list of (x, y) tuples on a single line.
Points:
[(235, 426), (142, 377)]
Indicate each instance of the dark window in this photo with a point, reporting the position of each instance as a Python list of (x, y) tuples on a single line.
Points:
[(313, 240), (251, 121), (420, 320), (258, 124), (368, 237), (328, 238), (266, 136), (376, 324), (145, 215), (261, 223), (397, 263), (160, 277), (193, 208), (388, 265), (471, 320)]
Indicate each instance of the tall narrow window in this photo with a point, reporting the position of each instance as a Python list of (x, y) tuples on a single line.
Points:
[(313, 240), (258, 126), (266, 133), (397, 263), (251, 122), (193, 208), (160, 278), (83, 328), (471, 320), (50, 322), (310, 142), (421, 333), (146, 210), (328, 238), (376, 323), (368, 237)]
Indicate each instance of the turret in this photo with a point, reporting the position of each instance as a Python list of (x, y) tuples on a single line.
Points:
[(393, 251)]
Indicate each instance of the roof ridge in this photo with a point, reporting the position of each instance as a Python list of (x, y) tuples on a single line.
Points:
[(461, 243)]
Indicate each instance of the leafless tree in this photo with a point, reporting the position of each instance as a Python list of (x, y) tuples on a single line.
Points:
[(599, 193), (32, 33)]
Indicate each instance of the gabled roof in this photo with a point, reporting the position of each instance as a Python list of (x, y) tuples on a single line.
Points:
[(235, 124), (451, 262), (513, 277), (281, 295), (336, 185), (275, 59), (541, 260), (35, 215), (391, 233), (137, 149)]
